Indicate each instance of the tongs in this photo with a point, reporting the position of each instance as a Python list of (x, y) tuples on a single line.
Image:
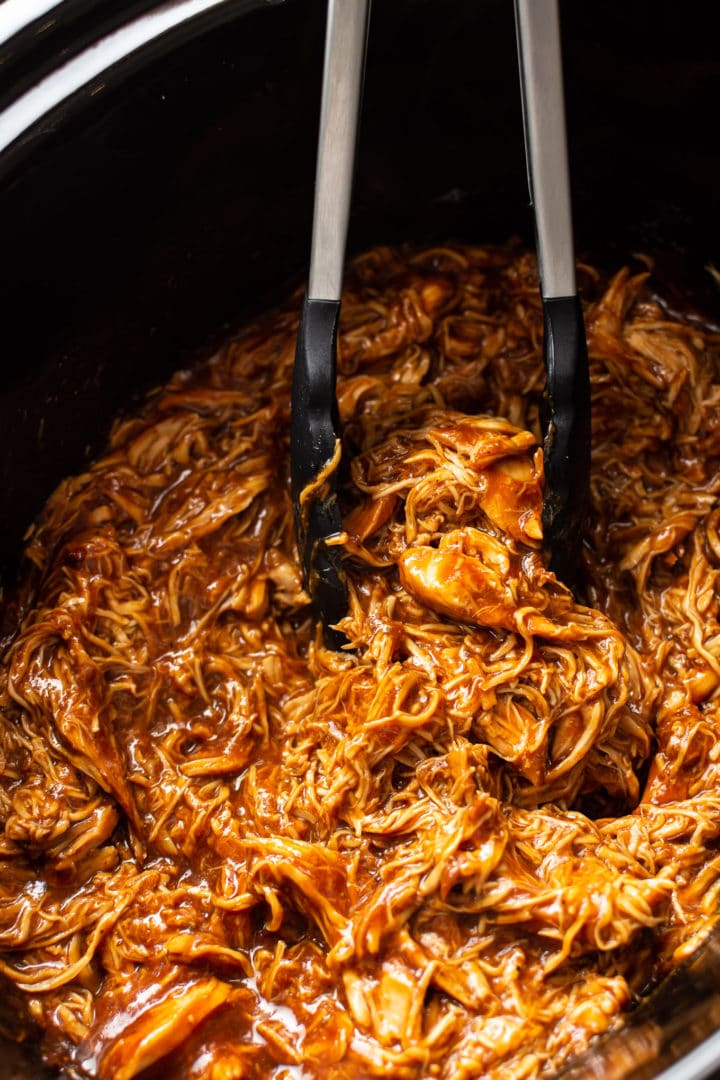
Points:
[(314, 423), (565, 416), (315, 435)]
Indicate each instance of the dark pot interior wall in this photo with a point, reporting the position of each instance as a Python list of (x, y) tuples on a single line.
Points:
[(179, 199)]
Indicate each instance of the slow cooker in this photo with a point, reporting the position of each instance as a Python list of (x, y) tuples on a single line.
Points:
[(156, 172)]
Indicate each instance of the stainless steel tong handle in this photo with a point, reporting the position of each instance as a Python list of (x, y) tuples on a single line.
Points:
[(345, 42), (543, 99)]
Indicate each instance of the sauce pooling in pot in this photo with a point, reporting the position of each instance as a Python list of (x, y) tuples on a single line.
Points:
[(461, 849)]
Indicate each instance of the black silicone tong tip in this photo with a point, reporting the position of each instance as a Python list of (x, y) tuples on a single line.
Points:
[(567, 433), (314, 460)]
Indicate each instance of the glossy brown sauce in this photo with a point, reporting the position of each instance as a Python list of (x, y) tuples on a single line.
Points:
[(458, 851)]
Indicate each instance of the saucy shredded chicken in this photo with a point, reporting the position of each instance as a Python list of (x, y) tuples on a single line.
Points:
[(462, 847)]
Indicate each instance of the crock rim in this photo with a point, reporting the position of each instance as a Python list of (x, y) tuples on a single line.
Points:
[(84, 71)]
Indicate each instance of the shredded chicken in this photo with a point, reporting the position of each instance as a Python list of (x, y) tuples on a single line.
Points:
[(461, 848)]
